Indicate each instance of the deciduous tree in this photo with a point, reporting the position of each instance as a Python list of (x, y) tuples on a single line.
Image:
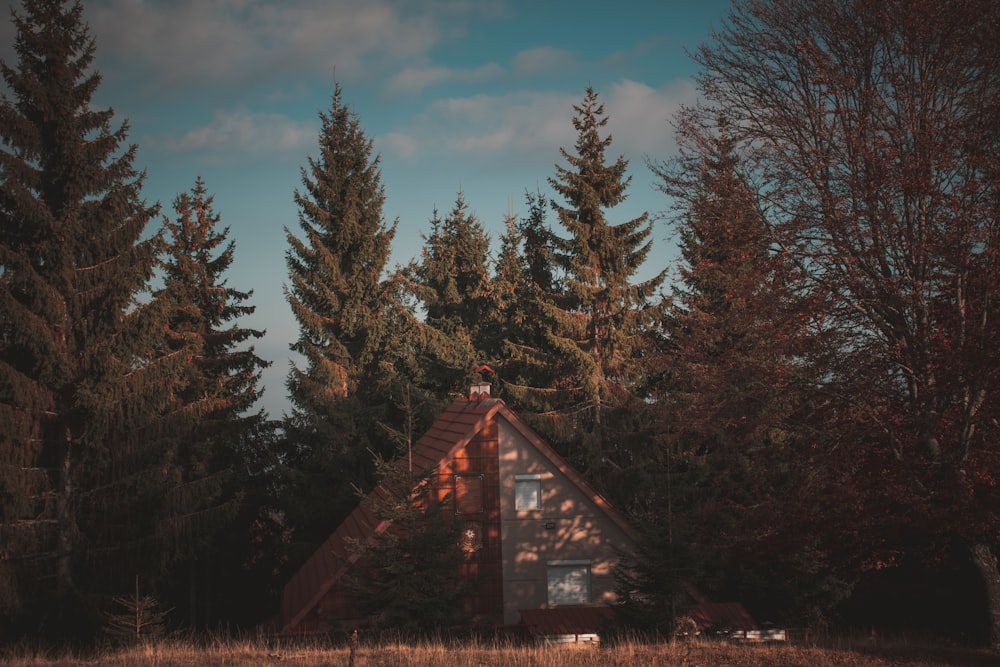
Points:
[(872, 133)]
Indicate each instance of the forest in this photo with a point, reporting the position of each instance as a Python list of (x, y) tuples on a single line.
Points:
[(806, 420)]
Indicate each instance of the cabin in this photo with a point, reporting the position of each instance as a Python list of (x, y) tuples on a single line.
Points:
[(536, 535)]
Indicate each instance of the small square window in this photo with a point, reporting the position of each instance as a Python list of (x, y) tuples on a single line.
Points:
[(568, 582), (527, 492)]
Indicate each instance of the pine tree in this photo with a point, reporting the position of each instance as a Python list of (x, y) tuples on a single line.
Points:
[(730, 398), (529, 369), (504, 288), (354, 328), (221, 387), (406, 580), (135, 618), (225, 380), (86, 390), (451, 284), (454, 269), (733, 330), (601, 316)]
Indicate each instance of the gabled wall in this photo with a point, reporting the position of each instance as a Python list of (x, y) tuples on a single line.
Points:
[(572, 525), (481, 440), (481, 567)]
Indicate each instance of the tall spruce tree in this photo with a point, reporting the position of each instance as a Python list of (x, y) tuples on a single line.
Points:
[(736, 343), (451, 283), (353, 329), (601, 316), (508, 275), (87, 388), (729, 395), (527, 267), (221, 388)]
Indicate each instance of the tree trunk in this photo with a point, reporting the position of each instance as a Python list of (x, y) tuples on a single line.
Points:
[(193, 593), (64, 518), (986, 562)]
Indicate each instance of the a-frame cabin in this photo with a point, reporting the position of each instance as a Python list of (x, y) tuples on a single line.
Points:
[(536, 534)]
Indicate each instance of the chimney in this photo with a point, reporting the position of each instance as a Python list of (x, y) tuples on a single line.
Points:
[(480, 389)]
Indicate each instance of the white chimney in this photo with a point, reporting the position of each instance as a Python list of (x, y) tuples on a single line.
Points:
[(479, 390)]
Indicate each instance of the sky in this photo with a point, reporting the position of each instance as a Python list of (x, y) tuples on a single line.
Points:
[(458, 95)]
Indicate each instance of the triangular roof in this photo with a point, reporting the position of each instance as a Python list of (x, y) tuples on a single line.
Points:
[(446, 437)]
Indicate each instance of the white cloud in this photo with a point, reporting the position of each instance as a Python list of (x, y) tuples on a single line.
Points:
[(640, 115), (486, 143), (413, 80), (397, 143), (535, 125), (542, 60), (492, 126), (242, 132), (230, 42)]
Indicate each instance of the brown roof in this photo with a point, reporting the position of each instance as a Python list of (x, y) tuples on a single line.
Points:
[(451, 431), (565, 620)]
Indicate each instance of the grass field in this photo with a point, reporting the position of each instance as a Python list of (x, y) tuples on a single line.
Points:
[(230, 653)]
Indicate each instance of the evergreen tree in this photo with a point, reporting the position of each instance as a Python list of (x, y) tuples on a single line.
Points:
[(452, 286), (454, 270), (136, 618), (601, 317), (502, 302), (731, 399), (653, 581), (527, 270), (353, 329), (733, 329), (87, 389), (221, 388), (406, 580)]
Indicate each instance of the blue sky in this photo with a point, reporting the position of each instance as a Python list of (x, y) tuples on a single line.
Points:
[(474, 95)]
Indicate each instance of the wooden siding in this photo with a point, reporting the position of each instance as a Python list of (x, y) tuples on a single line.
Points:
[(574, 523), (311, 601), (482, 567), (469, 439)]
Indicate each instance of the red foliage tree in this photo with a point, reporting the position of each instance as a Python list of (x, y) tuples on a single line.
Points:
[(872, 131)]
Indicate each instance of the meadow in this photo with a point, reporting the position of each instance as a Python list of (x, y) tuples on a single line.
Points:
[(694, 653)]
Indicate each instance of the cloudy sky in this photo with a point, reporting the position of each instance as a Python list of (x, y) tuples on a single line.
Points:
[(470, 95)]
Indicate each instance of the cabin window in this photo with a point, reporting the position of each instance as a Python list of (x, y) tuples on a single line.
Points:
[(527, 492), (468, 494), (569, 582)]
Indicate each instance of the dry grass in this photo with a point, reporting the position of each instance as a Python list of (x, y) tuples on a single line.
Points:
[(230, 653)]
